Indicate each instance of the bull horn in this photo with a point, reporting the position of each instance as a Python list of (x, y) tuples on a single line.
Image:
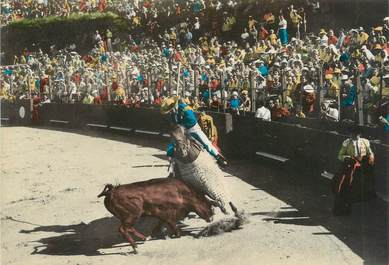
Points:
[(107, 189)]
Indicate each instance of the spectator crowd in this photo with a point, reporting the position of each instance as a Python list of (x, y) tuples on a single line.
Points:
[(271, 67)]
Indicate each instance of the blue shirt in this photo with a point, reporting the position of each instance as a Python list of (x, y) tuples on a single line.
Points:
[(166, 52), (234, 103), (185, 73), (184, 116), (189, 36), (37, 83), (197, 7), (386, 126), (349, 100), (204, 77), (205, 96), (8, 72), (263, 70), (344, 57), (103, 58), (170, 149)]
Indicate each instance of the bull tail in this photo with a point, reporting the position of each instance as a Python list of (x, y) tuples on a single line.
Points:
[(106, 191)]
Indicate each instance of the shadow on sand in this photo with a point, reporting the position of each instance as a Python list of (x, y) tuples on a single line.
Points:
[(89, 239)]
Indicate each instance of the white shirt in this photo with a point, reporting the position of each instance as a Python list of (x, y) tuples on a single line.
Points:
[(283, 24), (324, 40), (333, 113), (263, 113), (245, 35)]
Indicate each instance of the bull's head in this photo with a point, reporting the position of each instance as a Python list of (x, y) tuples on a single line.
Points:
[(186, 150)]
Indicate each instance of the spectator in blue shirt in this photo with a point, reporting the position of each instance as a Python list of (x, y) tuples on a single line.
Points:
[(262, 69), (235, 102)]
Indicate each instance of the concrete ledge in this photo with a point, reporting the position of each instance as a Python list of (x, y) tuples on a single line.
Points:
[(97, 125), (59, 121), (121, 129), (273, 157), (327, 175), (147, 132)]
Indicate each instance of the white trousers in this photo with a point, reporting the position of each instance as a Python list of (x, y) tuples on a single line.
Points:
[(199, 135)]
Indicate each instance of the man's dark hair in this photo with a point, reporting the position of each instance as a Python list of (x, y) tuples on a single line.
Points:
[(260, 103), (355, 130)]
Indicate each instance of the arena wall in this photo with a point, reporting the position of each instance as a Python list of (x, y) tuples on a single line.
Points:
[(312, 150)]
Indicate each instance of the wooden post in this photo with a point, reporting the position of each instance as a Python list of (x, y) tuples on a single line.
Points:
[(50, 83), (127, 83), (381, 87), (30, 91), (209, 96), (195, 77), (149, 90), (178, 79), (283, 87), (339, 102), (108, 88), (321, 91), (253, 87), (359, 100), (66, 79), (183, 87), (11, 85)]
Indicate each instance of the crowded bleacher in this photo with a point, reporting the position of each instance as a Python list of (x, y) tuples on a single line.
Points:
[(271, 64)]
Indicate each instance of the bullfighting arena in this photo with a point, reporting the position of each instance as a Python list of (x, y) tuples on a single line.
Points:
[(50, 213)]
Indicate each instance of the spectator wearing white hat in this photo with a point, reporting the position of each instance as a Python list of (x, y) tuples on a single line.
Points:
[(323, 37), (246, 102), (308, 99)]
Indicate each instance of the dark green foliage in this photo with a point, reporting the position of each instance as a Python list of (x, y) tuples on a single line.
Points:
[(61, 31)]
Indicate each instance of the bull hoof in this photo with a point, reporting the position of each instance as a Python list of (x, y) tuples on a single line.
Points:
[(134, 250), (177, 234)]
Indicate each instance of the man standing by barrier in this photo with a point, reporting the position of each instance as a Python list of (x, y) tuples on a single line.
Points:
[(207, 125), (36, 100), (355, 180), (183, 115)]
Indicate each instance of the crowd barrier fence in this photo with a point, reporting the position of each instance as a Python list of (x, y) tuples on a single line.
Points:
[(314, 149)]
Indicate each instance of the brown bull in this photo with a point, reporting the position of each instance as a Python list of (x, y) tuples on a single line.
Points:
[(167, 199)]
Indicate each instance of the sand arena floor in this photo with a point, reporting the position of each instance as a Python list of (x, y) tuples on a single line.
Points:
[(50, 213)]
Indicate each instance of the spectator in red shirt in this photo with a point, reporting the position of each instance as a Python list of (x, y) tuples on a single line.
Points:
[(215, 103), (136, 102), (263, 33), (102, 5), (96, 98), (277, 111), (332, 39), (115, 84), (158, 99), (308, 99), (214, 84)]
